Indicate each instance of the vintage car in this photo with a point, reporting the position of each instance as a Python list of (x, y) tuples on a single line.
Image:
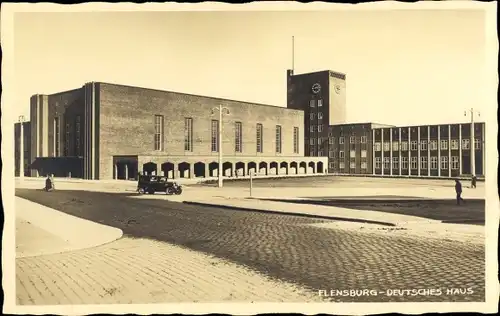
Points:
[(153, 184)]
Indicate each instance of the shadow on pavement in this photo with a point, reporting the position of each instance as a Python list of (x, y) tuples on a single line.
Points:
[(445, 210)]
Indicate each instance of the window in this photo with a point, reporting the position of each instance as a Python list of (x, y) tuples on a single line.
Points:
[(295, 140), (341, 140), (278, 138), (433, 145), (331, 165), (444, 162), (423, 162), (331, 154), (238, 141), (341, 154), (454, 162), (352, 139), (378, 146), (363, 139), (320, 115), (352, 165), (188, 134), (312, 116), (320, 103), (434, 163), (77, 135), (387, 146), (423, 145), (311, 153), (404, 146), (414, 145), (387, 163), (404, 163), (395, 146), (312, 141), (414, 163), (320, 140), (477, 144), (320, 128), (377, 162), (444, 144), (341, 165), (395, 162), (259, 138), (57, 137), (312, 128), (215, 136), (352, 153), (454, 144), (159, 132), (363, 165), (311, 103), (331, 140), (66, 141), (465, 144), (320, 153), (363, 154)]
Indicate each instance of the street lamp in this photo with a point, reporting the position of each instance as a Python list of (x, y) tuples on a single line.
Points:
[(21, 149), (222, 110), (473, 139)]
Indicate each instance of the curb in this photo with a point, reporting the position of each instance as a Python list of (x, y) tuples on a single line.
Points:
[(320, 201), (248, 209)]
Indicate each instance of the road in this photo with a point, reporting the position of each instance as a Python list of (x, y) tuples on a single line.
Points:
[(287, 247)]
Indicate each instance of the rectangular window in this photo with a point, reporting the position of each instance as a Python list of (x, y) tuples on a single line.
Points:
[(320, 140), (215, 136), (477, 144), (341, 154), (331, 140), (238, 141), (77, 135), (378, 146), (404, 146), (57, 137), (311, 153), (454, 162), (332, 165), (320, 103), (363, 165), (311, 103), (278, 139), (414, 163), (66, 141), (341, 140), (444, 145), (465, 144), (434, 163), (395, 162), (387, 146), (444, 162), (320, 153), (414, 145), (312, 141), (312, 128), (320, 128), (395, 146), (454, 144), (352, 164), (352, 139), (331, 154), (188, 134), (404, 163), (377, 162), (364, 139), (341, 165), (423, 145), (433, 145), (363, 154), (259, 138), (352, 153), (295, 140), (423, 162), (312, 116), (387, 163), (320, 115), (159, 132)]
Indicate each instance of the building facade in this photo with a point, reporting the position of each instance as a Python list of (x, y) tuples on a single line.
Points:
[(106, 131), (25, 143)]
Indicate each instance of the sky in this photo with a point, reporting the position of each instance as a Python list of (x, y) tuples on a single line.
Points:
[(403, 67)]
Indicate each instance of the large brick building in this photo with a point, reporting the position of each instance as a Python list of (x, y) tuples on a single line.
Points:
[(106, 131)]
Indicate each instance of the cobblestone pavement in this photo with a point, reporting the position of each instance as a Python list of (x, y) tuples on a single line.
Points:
[(287, 248), (144, 271)]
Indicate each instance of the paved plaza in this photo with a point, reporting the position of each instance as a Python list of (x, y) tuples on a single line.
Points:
[(293, 257)]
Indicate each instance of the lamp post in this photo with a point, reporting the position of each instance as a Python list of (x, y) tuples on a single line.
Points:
[(21, 148), (472, 140), (222, 110)]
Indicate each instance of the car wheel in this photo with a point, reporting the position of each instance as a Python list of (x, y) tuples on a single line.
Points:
[(179, 191), (141, 191), (169, 191)]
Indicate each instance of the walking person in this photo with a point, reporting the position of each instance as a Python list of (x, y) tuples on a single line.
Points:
[(458, 190), (473, 182)]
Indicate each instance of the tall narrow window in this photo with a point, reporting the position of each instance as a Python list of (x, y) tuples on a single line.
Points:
[(159, 132), (320, 103), (215, 135), (66, 141), (77, 136), (238, 137), (188, 134), (57, 137), (259, 138), (295, 140), (278, 139)]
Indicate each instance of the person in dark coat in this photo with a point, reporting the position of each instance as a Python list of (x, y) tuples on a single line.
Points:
[(458, 190), (473, 182), (48, 184)]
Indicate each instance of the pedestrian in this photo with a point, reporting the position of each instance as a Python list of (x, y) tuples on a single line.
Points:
[(473, 181), (458, 190)]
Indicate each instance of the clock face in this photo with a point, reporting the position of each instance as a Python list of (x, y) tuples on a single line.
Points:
[(337, 88), (316, 88)]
